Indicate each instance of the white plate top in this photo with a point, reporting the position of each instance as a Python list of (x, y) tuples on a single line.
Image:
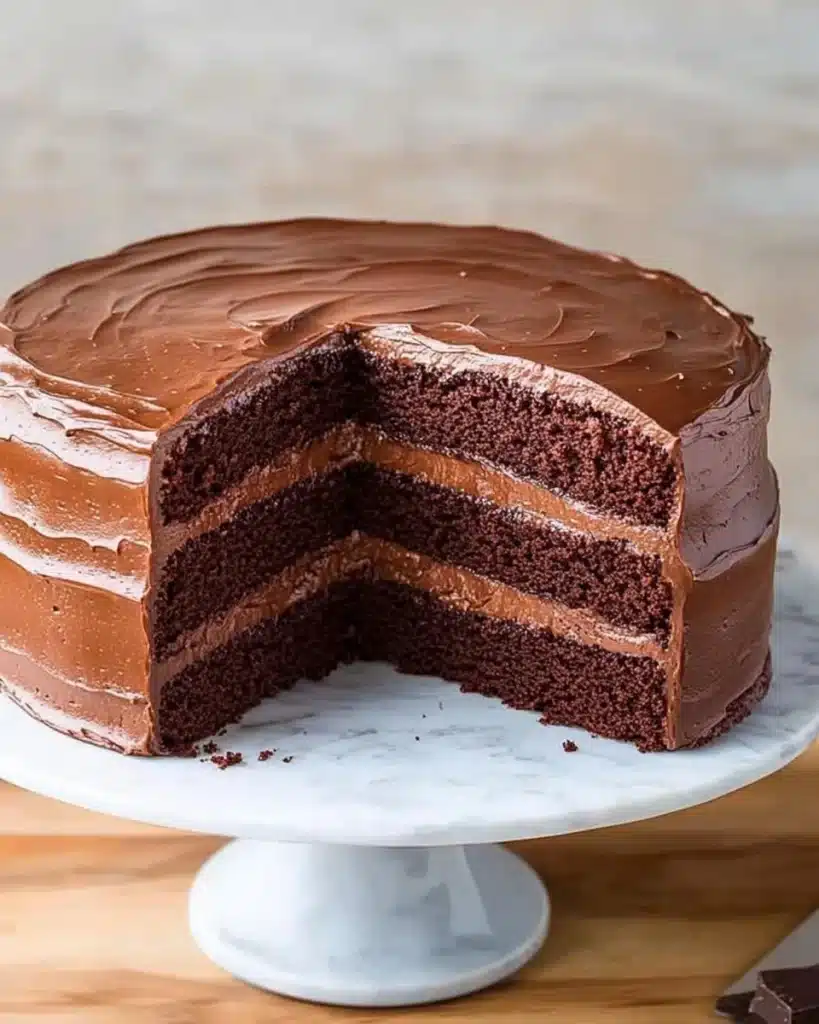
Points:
[(384, 759)]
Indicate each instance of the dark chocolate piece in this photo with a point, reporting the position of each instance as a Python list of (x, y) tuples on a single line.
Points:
[(737, 1006), (788, 996)]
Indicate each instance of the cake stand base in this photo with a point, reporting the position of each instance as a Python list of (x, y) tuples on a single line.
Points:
[(368, 926)]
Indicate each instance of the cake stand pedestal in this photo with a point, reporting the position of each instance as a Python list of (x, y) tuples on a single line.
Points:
[(363, 871), (368, 926)]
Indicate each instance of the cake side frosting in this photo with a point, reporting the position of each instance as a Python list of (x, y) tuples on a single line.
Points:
[(728, 530)]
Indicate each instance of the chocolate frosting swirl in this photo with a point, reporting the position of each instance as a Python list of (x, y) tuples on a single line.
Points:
[(131, 340)]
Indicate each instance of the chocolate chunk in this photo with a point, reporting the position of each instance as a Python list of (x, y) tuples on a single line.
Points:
[(788, 996), (737, 1006)]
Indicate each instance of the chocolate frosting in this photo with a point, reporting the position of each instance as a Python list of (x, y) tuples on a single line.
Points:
[(99, 361), (142, 334)]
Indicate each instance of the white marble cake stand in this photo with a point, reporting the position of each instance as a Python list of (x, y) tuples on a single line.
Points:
[(351, 881)]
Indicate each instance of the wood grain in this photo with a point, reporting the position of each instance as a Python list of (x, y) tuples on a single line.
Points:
[(650, 920)]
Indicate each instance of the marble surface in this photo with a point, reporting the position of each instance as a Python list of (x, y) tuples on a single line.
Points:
[(368, 927), (373, 757)]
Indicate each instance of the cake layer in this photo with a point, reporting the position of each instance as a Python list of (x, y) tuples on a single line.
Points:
[(572, 447), (306, 641), (537, 556), (568, 439), (611, 694), (350, 443), (362, 556), (737, 676)]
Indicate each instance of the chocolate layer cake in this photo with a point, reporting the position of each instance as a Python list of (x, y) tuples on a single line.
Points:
[(236, 458)]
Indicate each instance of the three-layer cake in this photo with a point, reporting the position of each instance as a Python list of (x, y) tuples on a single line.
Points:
[(238, 457)]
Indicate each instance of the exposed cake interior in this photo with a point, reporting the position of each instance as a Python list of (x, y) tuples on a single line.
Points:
[(585, 453), (354, 505), (366, 618)]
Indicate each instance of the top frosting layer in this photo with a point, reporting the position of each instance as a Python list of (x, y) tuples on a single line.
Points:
[(125, 344)]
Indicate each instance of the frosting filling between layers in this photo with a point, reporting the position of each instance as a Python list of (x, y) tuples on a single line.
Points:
[(537, 556), (350, 443), (358, 555), (458, 402)]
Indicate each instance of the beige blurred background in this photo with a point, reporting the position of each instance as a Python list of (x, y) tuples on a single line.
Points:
[(682, 132)]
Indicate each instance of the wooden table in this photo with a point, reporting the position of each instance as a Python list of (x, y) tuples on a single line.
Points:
[(650, 920)]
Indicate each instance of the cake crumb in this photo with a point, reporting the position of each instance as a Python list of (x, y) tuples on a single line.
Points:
[(229, 759), (210, 748), (569, 746), (287, 759), (265, 755)]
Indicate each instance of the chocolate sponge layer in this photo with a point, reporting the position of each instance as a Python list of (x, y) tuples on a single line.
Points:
[(616, 695), (211, 573), (574, 449)]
